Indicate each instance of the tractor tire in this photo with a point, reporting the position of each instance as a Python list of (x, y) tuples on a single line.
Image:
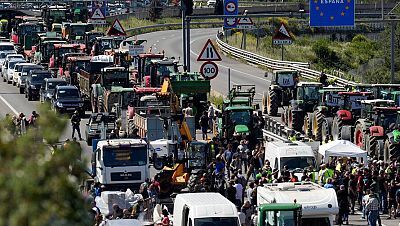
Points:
[(380, 146), (371, 146), (317, 125), (360, 136), (307, 124), (194, 180), (272, 103), (390, 151), (337, 128), (264, 103), (296, 120)]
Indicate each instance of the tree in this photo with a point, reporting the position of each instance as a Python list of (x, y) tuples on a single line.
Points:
[(39, 181)]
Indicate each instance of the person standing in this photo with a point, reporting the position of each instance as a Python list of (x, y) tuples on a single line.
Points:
[(211, 114), (204, 125), (239, 193), (227, 156), (76, 121), (343, 202), (372, 208)]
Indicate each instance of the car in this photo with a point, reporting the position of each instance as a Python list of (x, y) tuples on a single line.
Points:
[(3, 55), (9, 55), (34, 83), (24, 70), (48, 87), (7, 46), (67, 99), (9, 69)]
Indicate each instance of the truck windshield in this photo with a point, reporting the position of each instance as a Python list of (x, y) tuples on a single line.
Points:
[(297, 163), (240, 117), (165, 70), (78, 30), (216, 221), (286, 218), (315, 222), (125, 156)]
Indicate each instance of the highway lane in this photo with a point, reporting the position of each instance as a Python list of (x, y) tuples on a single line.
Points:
[(241, 73)]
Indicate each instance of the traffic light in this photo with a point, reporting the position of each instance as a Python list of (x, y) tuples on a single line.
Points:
[(188, 7)]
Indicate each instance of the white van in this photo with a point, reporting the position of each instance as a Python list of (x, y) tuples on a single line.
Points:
[(123, 222), (204, 209), (295, 155)]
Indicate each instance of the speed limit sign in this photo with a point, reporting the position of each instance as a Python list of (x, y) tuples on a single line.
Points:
[(209, 70)]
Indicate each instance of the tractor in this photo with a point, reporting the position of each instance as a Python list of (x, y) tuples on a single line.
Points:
[(158, 70), (75, 32), (370, 128), (384, 91), (307, 96), (316, 124), (280, 92), (348, 113), (25, 35), (391, 149)]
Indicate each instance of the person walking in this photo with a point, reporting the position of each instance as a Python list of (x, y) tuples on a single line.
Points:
[(204, 125), (372, 209), (211, 114), (343, 202), (76, 121), (227, 156)]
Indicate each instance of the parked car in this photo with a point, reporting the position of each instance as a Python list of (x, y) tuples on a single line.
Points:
[(34, 82), (48, 87), (9, 69), (24, 70), (3, 55), (67, 99)]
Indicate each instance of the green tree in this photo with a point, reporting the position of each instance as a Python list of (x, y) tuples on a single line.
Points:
[(40, 181), (325, 56)]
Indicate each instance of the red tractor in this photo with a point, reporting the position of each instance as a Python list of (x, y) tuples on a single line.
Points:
[(61, 49)]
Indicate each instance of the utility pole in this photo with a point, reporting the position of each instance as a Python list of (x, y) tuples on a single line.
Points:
[(392, 33), (183, 36), (188, 44)]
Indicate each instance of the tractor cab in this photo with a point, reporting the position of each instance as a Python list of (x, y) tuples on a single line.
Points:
[(240, 95), (237, 120), (159, 69), (114, 76), (274, 214), (380, 112), (60, 50), (109, 43), (284, 78), (71, 66), (25, 34), (383, 91), (330, 100), (75, 32), (307, 95), (45, 50), (360, 88), (90, 38), (54, 14), (143, 64)]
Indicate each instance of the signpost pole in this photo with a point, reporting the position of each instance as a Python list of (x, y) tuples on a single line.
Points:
[(393, 27), (282, 51), (188, 44), (229, 79), (244, 39), (184, 38)]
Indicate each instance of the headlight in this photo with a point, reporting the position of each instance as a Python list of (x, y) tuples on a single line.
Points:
[(59, 104)]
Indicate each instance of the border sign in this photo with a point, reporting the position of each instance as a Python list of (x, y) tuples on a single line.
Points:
[(282, 36), (209, 70), (230, 8), (209, 53), (332, 13)]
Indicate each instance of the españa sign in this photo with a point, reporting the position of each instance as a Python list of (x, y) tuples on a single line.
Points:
[(330, 13)]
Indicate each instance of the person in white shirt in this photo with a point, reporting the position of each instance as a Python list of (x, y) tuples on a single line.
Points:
[(239, 193), (211, 114)]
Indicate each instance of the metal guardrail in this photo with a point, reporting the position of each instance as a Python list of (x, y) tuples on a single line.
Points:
[(302, 67)]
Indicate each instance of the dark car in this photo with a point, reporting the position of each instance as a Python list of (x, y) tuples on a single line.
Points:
[(48, 87), (23, 71), (67, 99), (34, 82), (93, 126)]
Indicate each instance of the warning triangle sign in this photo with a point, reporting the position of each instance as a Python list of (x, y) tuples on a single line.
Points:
[(245, 21), (282, 33), (116, 29), (283, 30), (209, 53), (98, 14)]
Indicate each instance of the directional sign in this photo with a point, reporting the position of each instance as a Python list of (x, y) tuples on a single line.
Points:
[(209, 53), (116, 29), (282, 36), (245, 23), (98, 15), (209, 70), (332, 13), (135, 50), (230, 8)]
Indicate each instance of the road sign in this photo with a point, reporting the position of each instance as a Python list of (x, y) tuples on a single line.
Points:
[(230, 8), (209, 70), (116, 29), (209, 53), (102, 5), (332, 13), (98, 15), (135, 50), (97, 22), (282, 36), (245, 23)]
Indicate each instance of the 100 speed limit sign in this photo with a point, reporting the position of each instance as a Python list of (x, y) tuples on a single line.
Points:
[(209, 70)]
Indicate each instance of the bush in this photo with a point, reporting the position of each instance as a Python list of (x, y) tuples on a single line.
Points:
[(325, 55)]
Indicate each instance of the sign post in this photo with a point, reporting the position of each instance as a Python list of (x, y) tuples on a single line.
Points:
[(209, 69), (282, 37)]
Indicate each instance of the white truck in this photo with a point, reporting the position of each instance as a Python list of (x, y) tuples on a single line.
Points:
[(120, 163), (319, 205), (296, 156), (198, 209)]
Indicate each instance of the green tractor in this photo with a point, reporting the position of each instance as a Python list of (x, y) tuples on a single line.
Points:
[(317, 123), (237, 112), (375, 119), (280, 92), (348, 113), (391, 148), (274, 214), (307, 96)]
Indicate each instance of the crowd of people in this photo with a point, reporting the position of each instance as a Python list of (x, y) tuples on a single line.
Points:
[(18, 124)]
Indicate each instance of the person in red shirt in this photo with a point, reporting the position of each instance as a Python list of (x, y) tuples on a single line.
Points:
[(165, 221), (293, 178)]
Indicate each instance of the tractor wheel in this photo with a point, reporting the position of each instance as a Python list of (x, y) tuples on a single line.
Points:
[(359, 136), (337, 128), (371, 146), (272, 103), (264, 103), (390, 151), (194, 180), (296, 120), (317, 125), (380, 146), (307, 125)]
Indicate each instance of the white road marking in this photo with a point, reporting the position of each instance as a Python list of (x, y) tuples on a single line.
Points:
[(158, 41), (9, 105)]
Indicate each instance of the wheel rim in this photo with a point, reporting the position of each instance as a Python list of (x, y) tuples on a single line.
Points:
[(359, 138), (306, 125), (315, 125), (269, 104)]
